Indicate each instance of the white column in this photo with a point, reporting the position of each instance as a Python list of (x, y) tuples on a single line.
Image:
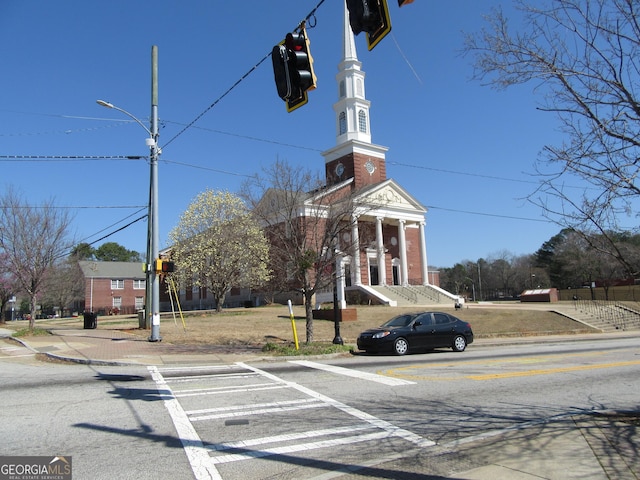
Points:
[(403, 253), (382, 271), (342, 302), (423, 255), (355, 239)]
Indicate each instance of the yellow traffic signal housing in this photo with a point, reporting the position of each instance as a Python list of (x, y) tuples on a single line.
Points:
[(167, 267), (370, 16), (164, 266), (293, 69), (383, 27)]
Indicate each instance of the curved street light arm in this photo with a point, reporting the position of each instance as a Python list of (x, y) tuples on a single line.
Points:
[(111, 105)]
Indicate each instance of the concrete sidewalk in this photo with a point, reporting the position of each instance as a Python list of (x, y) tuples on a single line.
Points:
[(585, 446), (115, 347)]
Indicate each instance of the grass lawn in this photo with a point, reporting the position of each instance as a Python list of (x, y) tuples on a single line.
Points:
[(272, 324)]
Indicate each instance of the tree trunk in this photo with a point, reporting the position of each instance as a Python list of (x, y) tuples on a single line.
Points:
[(219, 301), (32, 320)]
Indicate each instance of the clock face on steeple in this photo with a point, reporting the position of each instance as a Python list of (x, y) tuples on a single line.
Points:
[(339, 169), (370, 167)]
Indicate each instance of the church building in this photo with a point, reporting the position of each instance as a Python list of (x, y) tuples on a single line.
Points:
[(390, 265)]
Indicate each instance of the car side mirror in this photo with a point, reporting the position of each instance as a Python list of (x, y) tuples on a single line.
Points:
[(417, 324)]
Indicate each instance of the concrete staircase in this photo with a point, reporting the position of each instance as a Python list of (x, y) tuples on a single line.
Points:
[(607, 316), (415, 295)]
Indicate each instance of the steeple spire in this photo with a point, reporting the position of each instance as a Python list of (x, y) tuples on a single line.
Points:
[(352, 108), (348, 40)]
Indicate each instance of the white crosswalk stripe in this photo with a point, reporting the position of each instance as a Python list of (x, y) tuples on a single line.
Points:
[(394, 382), (237, 391)]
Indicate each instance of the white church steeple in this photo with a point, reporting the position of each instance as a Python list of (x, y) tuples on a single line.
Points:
[(354, 156), (352, 108)]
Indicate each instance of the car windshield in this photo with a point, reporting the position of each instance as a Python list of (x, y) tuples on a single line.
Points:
[(399, 321)]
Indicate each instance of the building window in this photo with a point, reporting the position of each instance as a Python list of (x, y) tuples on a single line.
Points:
[(362, 121), (359, 89), (139, 303), (117, 284), (139, 284), (343, 123), (343, 89), (117, 302)]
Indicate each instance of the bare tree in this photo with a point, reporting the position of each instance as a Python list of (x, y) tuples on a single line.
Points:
[(32, 237), (64, 284), (306, 223), (7, 284), (584, 55), (218, 245)]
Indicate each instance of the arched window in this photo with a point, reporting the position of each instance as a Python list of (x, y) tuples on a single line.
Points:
[(343, 89), (342, 120), (362, 121)]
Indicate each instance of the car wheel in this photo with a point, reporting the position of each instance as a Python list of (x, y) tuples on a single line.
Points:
[(459, 343), (400, 346)]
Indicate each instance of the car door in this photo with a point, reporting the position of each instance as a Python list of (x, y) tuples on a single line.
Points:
[(422, 333), (443, 330)]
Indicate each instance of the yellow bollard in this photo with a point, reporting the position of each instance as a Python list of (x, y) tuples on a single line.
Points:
[(293, 325)]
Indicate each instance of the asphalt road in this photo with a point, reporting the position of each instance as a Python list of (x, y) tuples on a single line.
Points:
[(305, 418)]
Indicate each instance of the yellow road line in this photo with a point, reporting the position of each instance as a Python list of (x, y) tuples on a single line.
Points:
[(401, 372), (527, 373)]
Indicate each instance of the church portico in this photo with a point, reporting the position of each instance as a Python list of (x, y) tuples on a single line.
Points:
[(385, 250)]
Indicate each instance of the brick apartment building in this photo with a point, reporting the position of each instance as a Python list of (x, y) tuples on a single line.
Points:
[(113, 287)]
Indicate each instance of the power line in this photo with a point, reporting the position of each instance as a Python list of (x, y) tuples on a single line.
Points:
[(119, 229), (74, 158), (105, 236), (240, 80), (77, 207), (495, 215), (478, 175), (249, 137), (199, 167), (232, 87), (66, 131), (469, 174)]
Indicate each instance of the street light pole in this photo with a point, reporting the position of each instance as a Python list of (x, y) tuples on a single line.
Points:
[(153, 197), (152, 301)]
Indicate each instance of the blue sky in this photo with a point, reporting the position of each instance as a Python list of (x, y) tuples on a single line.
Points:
[(464, 150)]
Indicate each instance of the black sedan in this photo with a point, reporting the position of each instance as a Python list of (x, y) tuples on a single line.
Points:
[(417, 331)]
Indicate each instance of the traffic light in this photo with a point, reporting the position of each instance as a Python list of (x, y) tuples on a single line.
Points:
[(404, 2), (168, 267), (164, 266), (293, 69), (370, 16)]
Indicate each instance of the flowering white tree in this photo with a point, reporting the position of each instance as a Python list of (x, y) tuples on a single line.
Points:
[(218, 245)]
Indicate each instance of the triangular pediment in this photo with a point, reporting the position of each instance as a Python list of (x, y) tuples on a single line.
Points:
[(391, 197)]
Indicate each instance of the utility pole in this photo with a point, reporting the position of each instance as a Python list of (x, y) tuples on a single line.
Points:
[(152, 285), (153, 307)]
